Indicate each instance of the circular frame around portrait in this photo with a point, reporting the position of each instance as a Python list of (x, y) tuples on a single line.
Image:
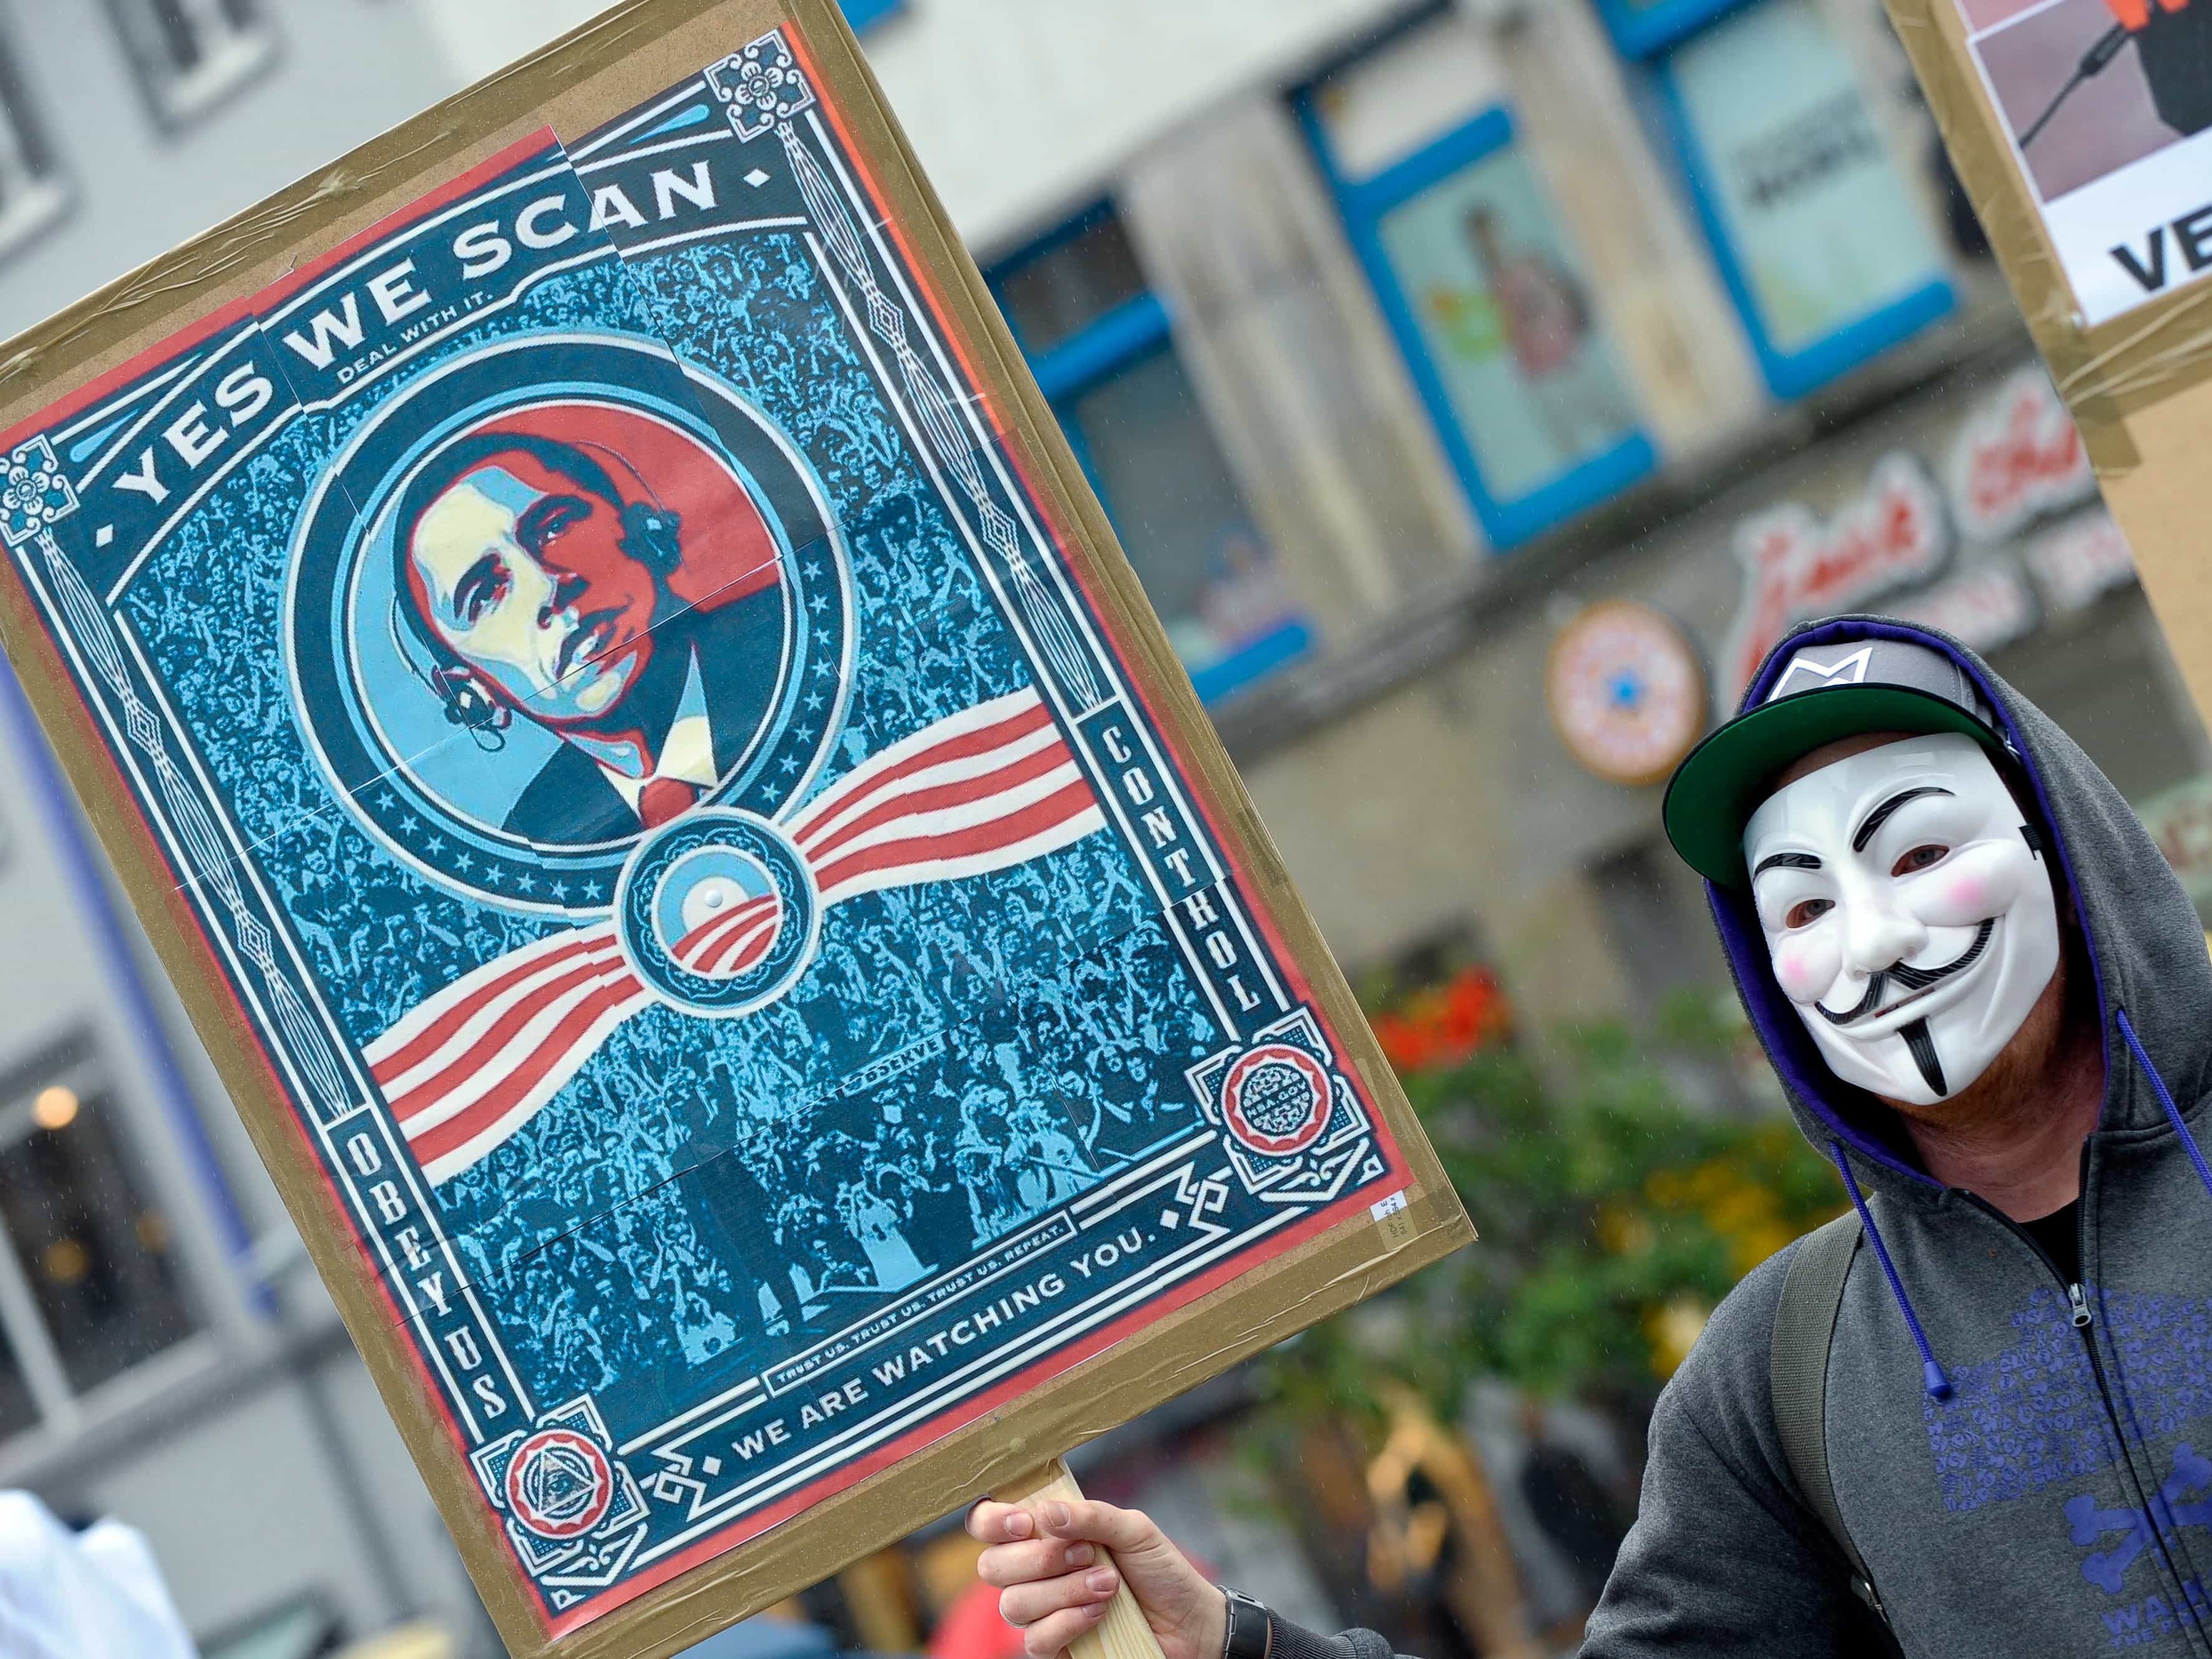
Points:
[(386, 771)]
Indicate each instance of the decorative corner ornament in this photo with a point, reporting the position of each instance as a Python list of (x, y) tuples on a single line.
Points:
[(35, 496), (573, 1512), (1291, 1126), (761, 87)]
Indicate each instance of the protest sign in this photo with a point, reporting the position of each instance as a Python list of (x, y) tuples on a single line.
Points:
[(2107, 104), (754, 977), (2080, 130)]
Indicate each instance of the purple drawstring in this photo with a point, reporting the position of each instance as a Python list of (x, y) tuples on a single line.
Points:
[(1937, 1385), (1931, 1374), (2172, 1111)]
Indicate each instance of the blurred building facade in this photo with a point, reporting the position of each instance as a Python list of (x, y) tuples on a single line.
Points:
[(1477, 387)]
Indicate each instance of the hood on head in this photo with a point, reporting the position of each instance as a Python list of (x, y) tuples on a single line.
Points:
[(2146, 945)]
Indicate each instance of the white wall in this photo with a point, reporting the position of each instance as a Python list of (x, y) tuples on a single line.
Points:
[(1019, 109), (1073, 87), (476, 37), (345, 71), (247, 1509)]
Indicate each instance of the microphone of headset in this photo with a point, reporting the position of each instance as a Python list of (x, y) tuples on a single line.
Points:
[(460, 694)]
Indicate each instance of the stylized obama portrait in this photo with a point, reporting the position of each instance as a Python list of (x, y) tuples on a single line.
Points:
[(543, 579)]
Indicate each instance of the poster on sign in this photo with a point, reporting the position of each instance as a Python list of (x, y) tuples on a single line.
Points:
[(725, 921), (2108, 105), (2080, 131)]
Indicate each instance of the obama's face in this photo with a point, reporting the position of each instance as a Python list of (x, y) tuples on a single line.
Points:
[(521, 573)]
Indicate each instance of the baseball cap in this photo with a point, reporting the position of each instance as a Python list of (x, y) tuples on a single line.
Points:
[(1823, 692)]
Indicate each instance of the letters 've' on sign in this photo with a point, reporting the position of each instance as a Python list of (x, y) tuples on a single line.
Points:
[(2107, 110)]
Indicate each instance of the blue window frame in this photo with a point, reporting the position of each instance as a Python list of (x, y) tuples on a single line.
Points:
[(1099, 343), (1829, 260), (1493, 316), (1642, 28), (864, 15)]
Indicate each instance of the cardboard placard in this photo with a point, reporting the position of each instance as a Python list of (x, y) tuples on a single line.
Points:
[(743, 955), (2079, 129)]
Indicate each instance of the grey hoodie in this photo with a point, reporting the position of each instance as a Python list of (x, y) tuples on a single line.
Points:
[(2034, 1477)]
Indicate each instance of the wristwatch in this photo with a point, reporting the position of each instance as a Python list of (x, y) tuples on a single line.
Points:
[(1251, 1628)]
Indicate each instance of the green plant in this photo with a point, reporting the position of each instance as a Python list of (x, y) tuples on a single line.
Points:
[(1613, 1216)]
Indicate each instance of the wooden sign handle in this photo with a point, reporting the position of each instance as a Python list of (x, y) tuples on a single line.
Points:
[(1122, 1633)]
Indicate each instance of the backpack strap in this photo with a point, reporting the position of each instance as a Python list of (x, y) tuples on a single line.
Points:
[(1804, 1330)]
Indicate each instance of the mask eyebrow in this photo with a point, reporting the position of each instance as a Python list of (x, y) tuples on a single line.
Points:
[(1785, 861), (1879, 815)]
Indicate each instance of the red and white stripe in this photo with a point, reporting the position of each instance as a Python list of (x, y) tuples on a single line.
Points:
[(978, 790), (983, 790), (470, 1067)]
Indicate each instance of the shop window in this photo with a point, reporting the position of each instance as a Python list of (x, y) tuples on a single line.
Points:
[(190, 54), (1098, 341), (1081, 278), (31, 192), (56, 849), (89, 1284), (1826, 249), (1501, 325)]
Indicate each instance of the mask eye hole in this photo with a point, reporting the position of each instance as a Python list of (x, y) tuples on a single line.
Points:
[(1920, 858), (1806, 912)]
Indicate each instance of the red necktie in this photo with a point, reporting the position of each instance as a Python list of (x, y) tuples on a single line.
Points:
[(663, 798)]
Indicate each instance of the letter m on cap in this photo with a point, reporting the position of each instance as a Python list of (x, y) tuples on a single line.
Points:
[(1844, 671)]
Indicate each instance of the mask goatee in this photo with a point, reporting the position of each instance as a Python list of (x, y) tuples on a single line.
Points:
[(1924, 1055)]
